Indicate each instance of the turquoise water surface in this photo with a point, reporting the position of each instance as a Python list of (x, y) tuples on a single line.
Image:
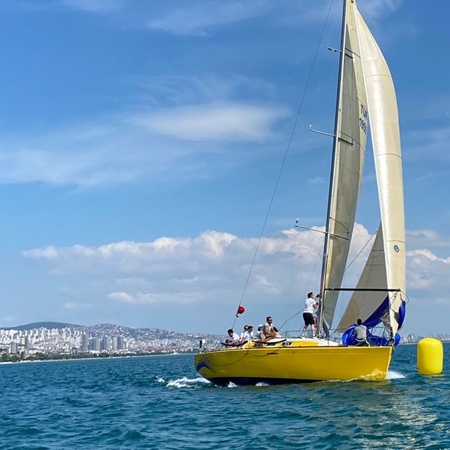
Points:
[(161, 403)]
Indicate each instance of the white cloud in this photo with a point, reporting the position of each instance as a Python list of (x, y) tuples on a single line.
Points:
[(121, 297), (83, 155), (175, 90), (224, 122), (193, 261), (430, 239), (186, 133), (200, 16), (316, 180), (427, 270), (185, 270), (130, 147), (208, 268)]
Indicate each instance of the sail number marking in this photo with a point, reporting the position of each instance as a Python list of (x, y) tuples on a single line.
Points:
[(364, 118)]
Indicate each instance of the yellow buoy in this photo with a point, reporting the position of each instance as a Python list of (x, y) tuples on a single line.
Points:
[(430, 356)]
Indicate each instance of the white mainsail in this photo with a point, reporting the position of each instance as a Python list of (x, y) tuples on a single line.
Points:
[(348, 163), (390, 241)]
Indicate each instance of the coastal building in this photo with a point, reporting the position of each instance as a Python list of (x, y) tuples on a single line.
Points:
[(94, 344), (106, 344), (84, 342)]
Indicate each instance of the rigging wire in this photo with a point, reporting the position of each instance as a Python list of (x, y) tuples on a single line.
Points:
[(290, 318), (283, 161), (321, 77), (357, 256), (318, 259)]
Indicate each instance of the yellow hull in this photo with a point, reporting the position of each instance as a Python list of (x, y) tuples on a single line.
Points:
[(293, 364)]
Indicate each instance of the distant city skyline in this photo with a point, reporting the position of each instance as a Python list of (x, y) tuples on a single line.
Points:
[(57, 338), (141, 143)]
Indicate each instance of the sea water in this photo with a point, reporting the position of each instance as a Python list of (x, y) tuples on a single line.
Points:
[(160, 402)]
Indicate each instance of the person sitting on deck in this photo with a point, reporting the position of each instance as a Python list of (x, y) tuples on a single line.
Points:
[(243, 338), (269, 331), (233, 338), (360, 332), (260, 337), (247, 334)]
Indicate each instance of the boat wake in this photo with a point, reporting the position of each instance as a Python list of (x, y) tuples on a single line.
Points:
[(185, 383), (391, 375)]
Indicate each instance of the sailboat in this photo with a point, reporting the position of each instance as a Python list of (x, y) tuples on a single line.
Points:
[(365, 89)]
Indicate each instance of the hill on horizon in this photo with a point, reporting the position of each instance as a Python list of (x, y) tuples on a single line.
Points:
[(47, 324), (106, 329)]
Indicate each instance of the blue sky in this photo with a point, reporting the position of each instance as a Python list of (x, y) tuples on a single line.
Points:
[(141, 142)]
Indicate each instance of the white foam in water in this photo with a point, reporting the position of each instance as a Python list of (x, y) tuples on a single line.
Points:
[(160, 380), (231, 384), (391, 375), (261, 384), (187, 382)]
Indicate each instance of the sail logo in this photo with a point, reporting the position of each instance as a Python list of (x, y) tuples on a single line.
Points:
[(363, 120)]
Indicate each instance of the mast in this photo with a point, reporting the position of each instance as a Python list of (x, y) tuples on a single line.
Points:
[(337, 124)]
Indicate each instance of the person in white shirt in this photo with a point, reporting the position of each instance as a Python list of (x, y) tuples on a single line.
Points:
[(308, 314), (243, 337), (360, 332), (233, 338), (247, 335)]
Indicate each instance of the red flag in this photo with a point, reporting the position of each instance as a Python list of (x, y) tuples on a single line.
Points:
[(240, 310)]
